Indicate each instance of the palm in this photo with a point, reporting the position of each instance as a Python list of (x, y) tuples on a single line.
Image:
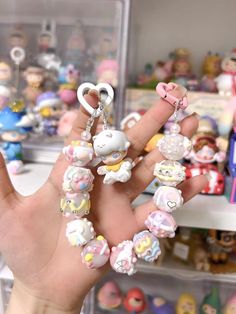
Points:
[(32, 230)]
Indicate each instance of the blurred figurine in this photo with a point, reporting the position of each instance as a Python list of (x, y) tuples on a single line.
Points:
[(47, 40), (134, 301), (5, 74), (211, 69), (182, 66), (226, 81), (230, 305), (69, 80), (221, 243), (107, 72), (50, 108), (5, 95), (200, 259), (211, 303), (12, 133), (17, 37), (159, 305), (109, 296), (34, 76), (186, 304)]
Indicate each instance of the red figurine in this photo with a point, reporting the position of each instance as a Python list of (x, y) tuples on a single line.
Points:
[(134, 301)]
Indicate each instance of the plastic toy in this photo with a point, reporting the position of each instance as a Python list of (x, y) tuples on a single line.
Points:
[(69, 78), (17, 37), (159, 305), (221, 243), (134, 301), (211, 303), (230, 305), (96, 253), (79, 232), (161, 224), (12, 134), (226, 81), (49, 107), (5, 74), (34, 76), (200, 259), (186, 304), (211, 69), (79, 153), (75, 204), (107, 71), (123, 258), (182, 67), (112, 146), (47, 40), (146, 246), (109, 296)]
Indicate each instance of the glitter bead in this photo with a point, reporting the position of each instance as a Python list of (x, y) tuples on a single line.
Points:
[(86, 136)]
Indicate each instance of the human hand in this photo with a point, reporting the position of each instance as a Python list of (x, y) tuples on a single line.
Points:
[(49, 275)]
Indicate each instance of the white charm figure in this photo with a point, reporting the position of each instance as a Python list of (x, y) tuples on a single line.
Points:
[(169, 172), (168, 198), (79, 153), (77, 180), (96, 253), (112, 146), (79, 232), (123, 258), (174, 146)]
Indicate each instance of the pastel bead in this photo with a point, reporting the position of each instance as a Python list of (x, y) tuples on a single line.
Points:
[(123, 258), (146, 246), (75, 204), (168, 198), (77, 179), (96, 253), (79, 153), (169, 172), (79, 232), (161, 224)]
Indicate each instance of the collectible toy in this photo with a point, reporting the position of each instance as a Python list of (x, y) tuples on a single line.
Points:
[(109, 296), (5, 74), (182, 67), (146, 246), (211, 69), (201, 260), (134, 301), (211, 303), (5, 95), (230, 305), (159, 305), (186, 304), (68, 78), (107, 71)]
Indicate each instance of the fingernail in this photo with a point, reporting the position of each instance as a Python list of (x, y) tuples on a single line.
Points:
[(196, 115), (208, 176)]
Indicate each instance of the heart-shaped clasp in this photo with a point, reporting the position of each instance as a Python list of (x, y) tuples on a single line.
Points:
[(85, 87)]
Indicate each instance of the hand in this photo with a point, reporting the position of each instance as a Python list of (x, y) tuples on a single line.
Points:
[(48, 272)]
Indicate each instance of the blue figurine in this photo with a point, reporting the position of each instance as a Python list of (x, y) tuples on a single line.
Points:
[(12, 133), (159, 305)]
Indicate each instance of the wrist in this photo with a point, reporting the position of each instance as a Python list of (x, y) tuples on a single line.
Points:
[(25, 302)]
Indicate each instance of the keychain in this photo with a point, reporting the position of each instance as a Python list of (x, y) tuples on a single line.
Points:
[(110, 145)]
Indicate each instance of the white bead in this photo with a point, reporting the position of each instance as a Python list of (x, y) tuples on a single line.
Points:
[(168, 198), (86, 136), (175, 128)]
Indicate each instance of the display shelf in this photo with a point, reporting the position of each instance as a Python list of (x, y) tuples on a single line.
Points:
[(203, 211)]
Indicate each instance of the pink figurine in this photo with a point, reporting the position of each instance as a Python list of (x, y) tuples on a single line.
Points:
[(161, 224), (96, 253), (123, 258), (107, 72), (109, 296)]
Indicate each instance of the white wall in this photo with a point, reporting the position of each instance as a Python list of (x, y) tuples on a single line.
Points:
[(159, 26)]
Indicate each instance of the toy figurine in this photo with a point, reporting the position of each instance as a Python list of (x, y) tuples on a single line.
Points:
[(109, 296), (65, 123), (134, 301), (159, 305), (12, 134), (211, 303), (47, 40), (96, 253), (34, 76), (112, 146), (169, 172), (161, 224), (50, 109), (230, 305), (186, 304), (211, 69), (5, 74), (123, 258), (68, 77), (17, 37), (146, 246), (5, 95), (226, 81), (182, 66), (107, 71), (201, 260), (221, 243), (79, 232)]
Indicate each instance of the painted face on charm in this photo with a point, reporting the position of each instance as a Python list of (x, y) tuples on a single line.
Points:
[(113, 158)]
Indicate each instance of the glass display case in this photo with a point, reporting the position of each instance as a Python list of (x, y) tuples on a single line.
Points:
[(65, 44)]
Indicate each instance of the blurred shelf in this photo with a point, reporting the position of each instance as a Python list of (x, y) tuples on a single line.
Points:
[(209, 212)]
